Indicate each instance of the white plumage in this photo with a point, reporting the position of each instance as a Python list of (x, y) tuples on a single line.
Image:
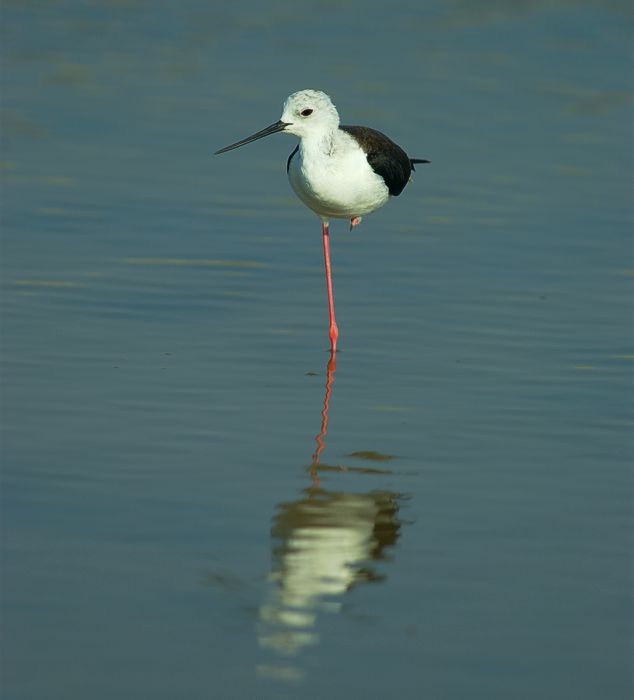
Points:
[(329, 171)]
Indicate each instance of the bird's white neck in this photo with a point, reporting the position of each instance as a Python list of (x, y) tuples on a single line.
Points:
[(320, 143)]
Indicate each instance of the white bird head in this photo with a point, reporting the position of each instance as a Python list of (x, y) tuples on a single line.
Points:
[(305, 112), (308, 111)]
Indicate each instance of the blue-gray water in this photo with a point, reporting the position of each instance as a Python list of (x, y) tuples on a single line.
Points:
[(465, 528)]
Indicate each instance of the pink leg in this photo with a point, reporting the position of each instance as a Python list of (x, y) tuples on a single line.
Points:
[(334, 331)]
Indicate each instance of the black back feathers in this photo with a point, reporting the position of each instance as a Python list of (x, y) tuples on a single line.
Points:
[(386, 158)]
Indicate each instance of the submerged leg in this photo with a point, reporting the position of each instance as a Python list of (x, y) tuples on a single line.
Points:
[(334, 331)]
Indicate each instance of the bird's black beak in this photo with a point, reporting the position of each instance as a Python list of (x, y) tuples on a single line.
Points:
[(273, 129)]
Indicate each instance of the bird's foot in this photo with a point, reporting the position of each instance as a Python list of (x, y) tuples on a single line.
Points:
[(355, 222)]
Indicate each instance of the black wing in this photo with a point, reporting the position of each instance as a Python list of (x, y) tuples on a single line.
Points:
[(386, 158)]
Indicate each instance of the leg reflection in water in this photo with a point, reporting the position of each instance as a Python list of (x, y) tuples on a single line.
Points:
[(321, 438)]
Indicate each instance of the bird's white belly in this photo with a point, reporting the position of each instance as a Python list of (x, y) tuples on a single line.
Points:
[(342, 187)]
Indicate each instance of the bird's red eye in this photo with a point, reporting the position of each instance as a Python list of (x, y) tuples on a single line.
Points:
[(306, 112)]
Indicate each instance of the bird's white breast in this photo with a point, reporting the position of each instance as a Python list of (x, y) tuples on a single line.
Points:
[(333, 177)]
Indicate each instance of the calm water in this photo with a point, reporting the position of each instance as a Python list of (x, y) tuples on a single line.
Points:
[(461, 525)]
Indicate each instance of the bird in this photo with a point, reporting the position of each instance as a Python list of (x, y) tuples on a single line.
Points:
[(337, 171)]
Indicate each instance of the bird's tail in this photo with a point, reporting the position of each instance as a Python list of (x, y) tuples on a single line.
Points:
[(417, 160)]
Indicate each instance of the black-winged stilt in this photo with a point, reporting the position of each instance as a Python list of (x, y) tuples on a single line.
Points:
[(341, 172)]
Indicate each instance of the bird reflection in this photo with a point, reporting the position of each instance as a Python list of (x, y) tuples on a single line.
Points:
[(324, 544)]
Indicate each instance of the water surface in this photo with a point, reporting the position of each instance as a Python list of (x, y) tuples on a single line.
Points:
[(196, 504)]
